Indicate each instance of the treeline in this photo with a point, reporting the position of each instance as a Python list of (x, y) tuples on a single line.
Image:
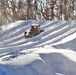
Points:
[(12, 10)]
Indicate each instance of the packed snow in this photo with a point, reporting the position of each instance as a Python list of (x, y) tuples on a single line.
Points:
[(52, 52)]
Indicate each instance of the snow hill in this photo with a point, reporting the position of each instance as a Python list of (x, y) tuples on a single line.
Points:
[(53, 52)]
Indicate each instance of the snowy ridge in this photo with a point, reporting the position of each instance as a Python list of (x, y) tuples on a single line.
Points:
[(46, 52)]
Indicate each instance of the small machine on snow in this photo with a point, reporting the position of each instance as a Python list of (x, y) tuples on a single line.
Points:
[(35, 30)]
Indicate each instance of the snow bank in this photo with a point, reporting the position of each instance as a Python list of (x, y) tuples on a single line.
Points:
[(50, 53), (41, 62)]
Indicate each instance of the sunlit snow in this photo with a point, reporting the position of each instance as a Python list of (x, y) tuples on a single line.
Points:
[(50, 53)]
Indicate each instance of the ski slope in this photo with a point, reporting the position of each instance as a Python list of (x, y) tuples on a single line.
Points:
[(50, 53)]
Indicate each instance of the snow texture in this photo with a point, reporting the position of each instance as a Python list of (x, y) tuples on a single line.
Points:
[(53, 52)]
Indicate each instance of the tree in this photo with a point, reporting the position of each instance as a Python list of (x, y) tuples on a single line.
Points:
[(12, 10)]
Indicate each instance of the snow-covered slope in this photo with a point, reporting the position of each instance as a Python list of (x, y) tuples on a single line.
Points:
[(50, 53)]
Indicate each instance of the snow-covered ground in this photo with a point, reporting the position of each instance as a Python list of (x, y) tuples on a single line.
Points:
[(53, 52)]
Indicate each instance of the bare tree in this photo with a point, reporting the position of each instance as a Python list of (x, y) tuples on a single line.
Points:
[(12, 10)]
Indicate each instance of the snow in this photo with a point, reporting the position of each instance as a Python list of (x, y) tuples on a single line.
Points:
[(53, 52)]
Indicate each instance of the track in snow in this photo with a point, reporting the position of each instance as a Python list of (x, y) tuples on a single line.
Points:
[(13, 39)]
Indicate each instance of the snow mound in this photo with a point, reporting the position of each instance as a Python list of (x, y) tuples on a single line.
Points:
[(50, 53)]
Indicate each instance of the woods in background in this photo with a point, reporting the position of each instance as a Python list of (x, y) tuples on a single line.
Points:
[(12, 10)]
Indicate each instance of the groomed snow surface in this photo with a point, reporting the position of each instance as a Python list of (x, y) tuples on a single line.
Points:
[(53, 52)]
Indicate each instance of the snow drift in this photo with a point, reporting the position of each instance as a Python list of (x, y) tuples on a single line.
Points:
[(50, 53)]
